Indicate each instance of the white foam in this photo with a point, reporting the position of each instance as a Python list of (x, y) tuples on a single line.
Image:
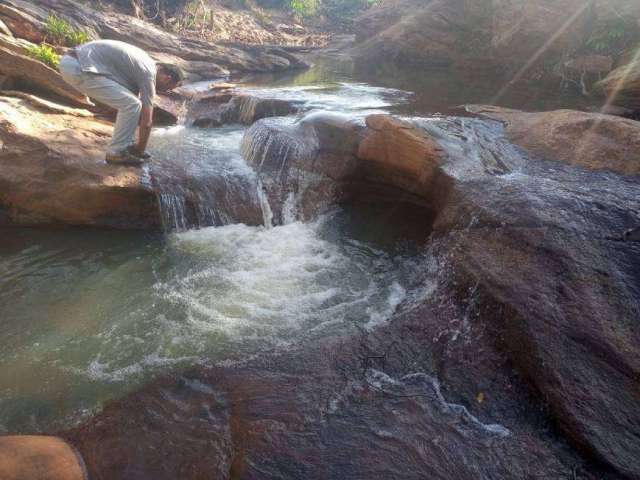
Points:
[(378, 317)]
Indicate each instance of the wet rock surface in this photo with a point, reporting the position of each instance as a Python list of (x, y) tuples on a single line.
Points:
[(327, 158), (228, 108), (590, 140), (322, 414), (54, 173)]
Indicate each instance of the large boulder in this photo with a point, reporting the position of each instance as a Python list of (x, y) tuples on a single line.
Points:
[(538, 245), (591, 140), (16, 64), (399, 154), (224, 108), (546, 251), (314, 157), (529, 31), (53, 172), (425, 34), (326, 158), (622, 85), (536, 40)]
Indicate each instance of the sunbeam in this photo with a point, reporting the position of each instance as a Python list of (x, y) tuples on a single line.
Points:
[(541, 51)]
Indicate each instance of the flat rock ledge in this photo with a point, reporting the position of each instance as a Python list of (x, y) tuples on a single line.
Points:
[(590, 140), (52, 171)]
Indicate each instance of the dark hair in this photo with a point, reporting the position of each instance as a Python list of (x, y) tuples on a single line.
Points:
[(175, 72)]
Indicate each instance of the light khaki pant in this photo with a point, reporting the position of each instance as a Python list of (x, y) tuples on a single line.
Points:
[(111, 93)]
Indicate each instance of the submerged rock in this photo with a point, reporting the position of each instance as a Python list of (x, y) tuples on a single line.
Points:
[(590, 140), (228, 108), (312, 414)]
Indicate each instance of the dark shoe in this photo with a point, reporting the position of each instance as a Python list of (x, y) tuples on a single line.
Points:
[(124, 158), (145, 155)]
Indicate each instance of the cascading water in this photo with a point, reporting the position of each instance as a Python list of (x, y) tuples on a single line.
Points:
[(202, 179), (227, 282)]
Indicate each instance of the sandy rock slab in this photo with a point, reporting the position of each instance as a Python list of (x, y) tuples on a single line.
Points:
[(52, 171), (590, 140)]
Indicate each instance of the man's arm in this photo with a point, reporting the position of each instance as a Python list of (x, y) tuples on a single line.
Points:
[(147, 93), (144, 130)]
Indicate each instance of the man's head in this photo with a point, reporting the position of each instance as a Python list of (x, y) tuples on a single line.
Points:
[(168, 77)]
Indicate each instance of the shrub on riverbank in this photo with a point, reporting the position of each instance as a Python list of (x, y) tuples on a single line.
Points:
[(45, 54), (59, 32)]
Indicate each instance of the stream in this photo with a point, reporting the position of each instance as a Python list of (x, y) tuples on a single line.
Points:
[(90, 315)]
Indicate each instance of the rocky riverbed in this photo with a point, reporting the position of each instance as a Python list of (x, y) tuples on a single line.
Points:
[(349, 286)]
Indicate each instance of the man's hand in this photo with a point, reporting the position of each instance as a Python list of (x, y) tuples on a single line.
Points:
[(144, 130)]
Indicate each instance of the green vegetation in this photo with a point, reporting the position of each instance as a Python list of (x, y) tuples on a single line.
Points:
[(45, 54), (59, 32), (615, 36), (328, 8), (304, 8)]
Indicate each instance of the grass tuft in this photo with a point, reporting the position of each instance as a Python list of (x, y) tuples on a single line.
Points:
[(59, 32), (45, 54)]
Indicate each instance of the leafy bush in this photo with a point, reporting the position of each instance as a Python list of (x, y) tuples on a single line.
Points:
[(304, 8), (45, 54), (59, 32), (613, 37), (77, 37), (339, 9)]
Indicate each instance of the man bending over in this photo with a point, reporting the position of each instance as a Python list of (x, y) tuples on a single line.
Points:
[(123, 77)]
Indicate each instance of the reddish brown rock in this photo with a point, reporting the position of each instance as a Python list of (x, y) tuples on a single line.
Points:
[(590, 140), (53, 172), (39, 458), (30, 72), (21, 23), (400, 154)]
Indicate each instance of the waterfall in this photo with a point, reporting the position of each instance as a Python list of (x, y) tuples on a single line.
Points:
[(267, 213), (201, 180), (173, 210)]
